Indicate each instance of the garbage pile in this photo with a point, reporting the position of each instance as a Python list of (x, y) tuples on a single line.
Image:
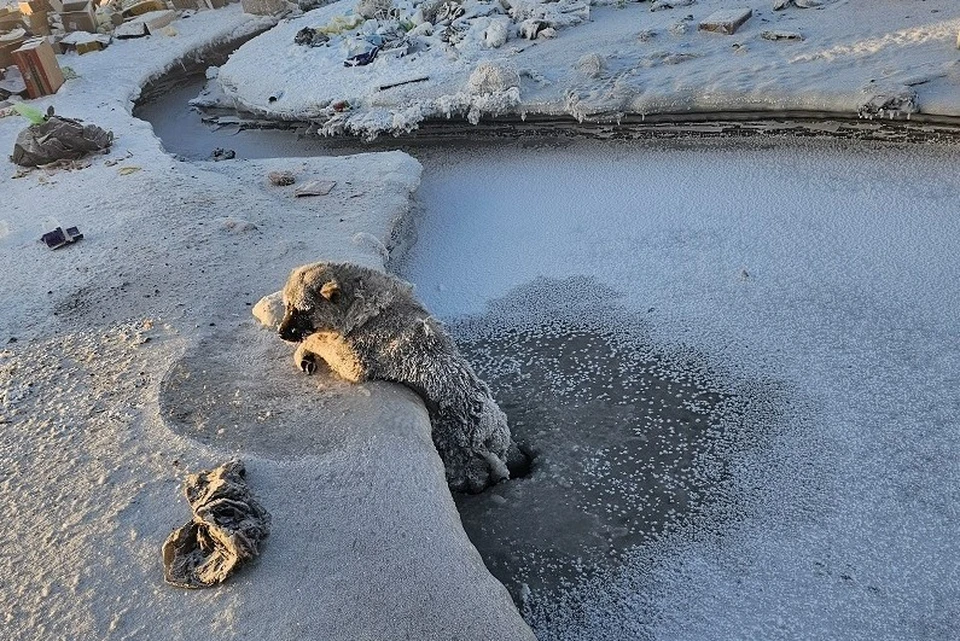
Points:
[(53, 138), (401, 27), (33, 32)]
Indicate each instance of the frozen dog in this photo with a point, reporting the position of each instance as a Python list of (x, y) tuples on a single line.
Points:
[(367, 325)]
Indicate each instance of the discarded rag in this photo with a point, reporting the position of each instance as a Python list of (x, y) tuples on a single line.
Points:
[(227, 529)]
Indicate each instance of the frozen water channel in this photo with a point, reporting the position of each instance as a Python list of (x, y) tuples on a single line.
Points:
[(737, 362), (814, 283)]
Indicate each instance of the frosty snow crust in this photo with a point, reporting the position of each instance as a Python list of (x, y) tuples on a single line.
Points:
[(593, 61)]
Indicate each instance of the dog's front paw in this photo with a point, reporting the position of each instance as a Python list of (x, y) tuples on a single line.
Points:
[(305, 360)]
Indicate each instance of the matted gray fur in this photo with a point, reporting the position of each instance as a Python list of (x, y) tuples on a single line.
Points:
[(367, 325)]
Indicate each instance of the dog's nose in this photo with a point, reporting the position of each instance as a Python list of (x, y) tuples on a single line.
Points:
[(289, 329)]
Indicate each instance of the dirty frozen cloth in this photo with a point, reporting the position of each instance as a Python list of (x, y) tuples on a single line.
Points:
[(227, 529), (58, 138)]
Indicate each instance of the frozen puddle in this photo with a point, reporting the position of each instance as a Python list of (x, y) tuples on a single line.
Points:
[(800, 298), (630, 439)]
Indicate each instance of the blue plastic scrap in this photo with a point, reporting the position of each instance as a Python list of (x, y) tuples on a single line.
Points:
[(362, 59)]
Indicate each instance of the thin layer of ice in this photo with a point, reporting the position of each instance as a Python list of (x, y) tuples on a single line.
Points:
[(829, 267)]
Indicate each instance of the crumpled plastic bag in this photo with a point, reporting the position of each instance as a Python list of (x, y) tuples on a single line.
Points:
[(227, 529), (58, 138)]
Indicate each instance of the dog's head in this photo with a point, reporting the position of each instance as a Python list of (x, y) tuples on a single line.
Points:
[(314, 301)]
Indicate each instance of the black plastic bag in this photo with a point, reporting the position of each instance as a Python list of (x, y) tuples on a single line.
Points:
[(58, 138)]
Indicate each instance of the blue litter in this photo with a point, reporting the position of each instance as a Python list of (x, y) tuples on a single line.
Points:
[(362, 59)]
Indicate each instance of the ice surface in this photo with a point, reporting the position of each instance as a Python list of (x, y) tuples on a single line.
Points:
[(829, 267), (629, 439)]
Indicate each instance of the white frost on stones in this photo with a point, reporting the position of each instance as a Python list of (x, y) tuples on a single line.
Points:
[(591, 65), (269, 310), (726, 21)]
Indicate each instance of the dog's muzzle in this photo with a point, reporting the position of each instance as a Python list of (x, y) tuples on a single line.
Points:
[(294, 328)]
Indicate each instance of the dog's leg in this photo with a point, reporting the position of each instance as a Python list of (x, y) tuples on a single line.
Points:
[(332, 348)]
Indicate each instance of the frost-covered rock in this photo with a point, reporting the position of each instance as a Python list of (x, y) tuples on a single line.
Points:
[(497, 32), (491, 77), (898, 104), (591, 65), (660, 5), (564, 13)]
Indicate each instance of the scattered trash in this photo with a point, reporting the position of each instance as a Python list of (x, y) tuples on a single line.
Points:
[(893, 105), (227, 529), (222, 154), (660, 5), (60, 237), (144, 25), (58, 138), (362, 59), (401, 83), (339, 24), (79, 16), (340, 106), (12, 83), (39, 67), (129, 169), (281, 178), (781, 35), (84, 42), (10, 41), (142, 7), (310, 37), (726, 21), (374, 9), (31, 113), (315, 188), (275, 97)]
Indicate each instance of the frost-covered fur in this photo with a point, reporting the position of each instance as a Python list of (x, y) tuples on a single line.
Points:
[(368, 326)]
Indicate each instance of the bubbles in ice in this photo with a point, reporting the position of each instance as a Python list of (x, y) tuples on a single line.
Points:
[(631, 438)]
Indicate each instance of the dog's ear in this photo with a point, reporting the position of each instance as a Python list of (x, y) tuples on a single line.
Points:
[(331, 291)]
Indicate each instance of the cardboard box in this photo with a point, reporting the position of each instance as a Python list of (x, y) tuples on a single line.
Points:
[(145, 25), (10, 42), (87, 47), (192, 5), (38, 23), (79, 16), (265, 7), (145, 6), (34, 6), (38, 64), (11, 19)]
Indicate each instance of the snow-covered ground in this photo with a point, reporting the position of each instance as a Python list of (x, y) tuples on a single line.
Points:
[(131, 358), (602, 61)]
